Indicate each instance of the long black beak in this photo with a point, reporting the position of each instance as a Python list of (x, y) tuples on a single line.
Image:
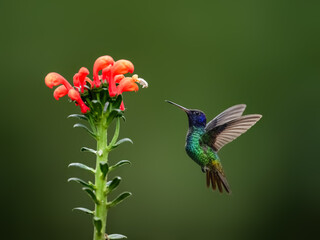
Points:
[(183, 108)]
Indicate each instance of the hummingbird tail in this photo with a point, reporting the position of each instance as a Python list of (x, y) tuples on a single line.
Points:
[(215, 177)]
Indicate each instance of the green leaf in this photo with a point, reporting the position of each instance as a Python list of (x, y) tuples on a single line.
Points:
[(119, 164), (123, 140), (113, 114), (85, 149), (78, 116), (116, 236), (104, 167), (98, 224), (97, 105), (119, 199), (79, 125), (113, 184), (117, 102), (84, 210), (91, 194), (82, 166), (84, 183)]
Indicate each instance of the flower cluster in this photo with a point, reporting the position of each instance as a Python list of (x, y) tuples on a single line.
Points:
[(111, 78)]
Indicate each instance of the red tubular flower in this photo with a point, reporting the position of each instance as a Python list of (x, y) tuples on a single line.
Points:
[(80, 79), (99, 64), (122, 106), (128, 84), (76, 81), (112, 73), (118, 78), (119, 68), (89, 81), (60, 92), (75, 96), (82, 74), (55, 79), (122, 67)]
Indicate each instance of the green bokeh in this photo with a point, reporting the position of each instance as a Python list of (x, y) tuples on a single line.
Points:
[(200, 54)]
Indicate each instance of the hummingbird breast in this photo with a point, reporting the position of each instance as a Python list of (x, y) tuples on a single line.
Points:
[(199, 152)]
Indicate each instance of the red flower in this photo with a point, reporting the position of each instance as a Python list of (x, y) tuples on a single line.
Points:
[(99, 64), (112, 74), (60, 92), (80, 78), (55, 79), (75, 96), (127, 85), (119, 68)]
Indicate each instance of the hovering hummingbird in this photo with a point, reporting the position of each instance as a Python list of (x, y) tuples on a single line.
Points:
[(203, 140)]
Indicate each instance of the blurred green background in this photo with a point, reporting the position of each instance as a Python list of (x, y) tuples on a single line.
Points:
[(200, 54)]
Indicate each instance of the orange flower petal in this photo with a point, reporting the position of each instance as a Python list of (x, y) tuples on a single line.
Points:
[(55, 79), (60, 92), (100, 64), (122, 67), (127, 85)]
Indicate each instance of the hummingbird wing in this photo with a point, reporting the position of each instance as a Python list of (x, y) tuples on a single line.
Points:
[(227, 115), (225, 133)]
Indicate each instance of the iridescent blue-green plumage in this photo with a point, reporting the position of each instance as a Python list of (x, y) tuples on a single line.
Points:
[(204, 140), (196, 150)]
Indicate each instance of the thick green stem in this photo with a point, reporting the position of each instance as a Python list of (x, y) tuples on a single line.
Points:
[(100, 180)]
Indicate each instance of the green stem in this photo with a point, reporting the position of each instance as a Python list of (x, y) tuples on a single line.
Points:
[(100, 180)]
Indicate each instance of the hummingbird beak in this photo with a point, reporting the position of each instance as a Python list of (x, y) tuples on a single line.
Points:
[(183, 108)]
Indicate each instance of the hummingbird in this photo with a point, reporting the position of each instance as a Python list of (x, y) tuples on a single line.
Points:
[(204, 140)]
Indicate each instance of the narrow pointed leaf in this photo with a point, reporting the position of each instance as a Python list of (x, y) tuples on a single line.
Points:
[(78, 116), (123, 140), (79, 125), (82, 166), (116, 236), (85, 149), (91, 194), (84, 210), (119, 164), (84, 183), (113, 184), (104, 167), (119, 199), (98, 224), (118, 101)]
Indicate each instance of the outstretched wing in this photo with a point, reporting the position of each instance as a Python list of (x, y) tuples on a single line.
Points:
[(227, 115), (222, 134)]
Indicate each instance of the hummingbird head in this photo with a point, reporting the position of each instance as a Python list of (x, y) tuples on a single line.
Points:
[(196, 118)]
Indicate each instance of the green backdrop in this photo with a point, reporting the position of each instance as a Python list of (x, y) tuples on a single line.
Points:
[(201, 54)]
